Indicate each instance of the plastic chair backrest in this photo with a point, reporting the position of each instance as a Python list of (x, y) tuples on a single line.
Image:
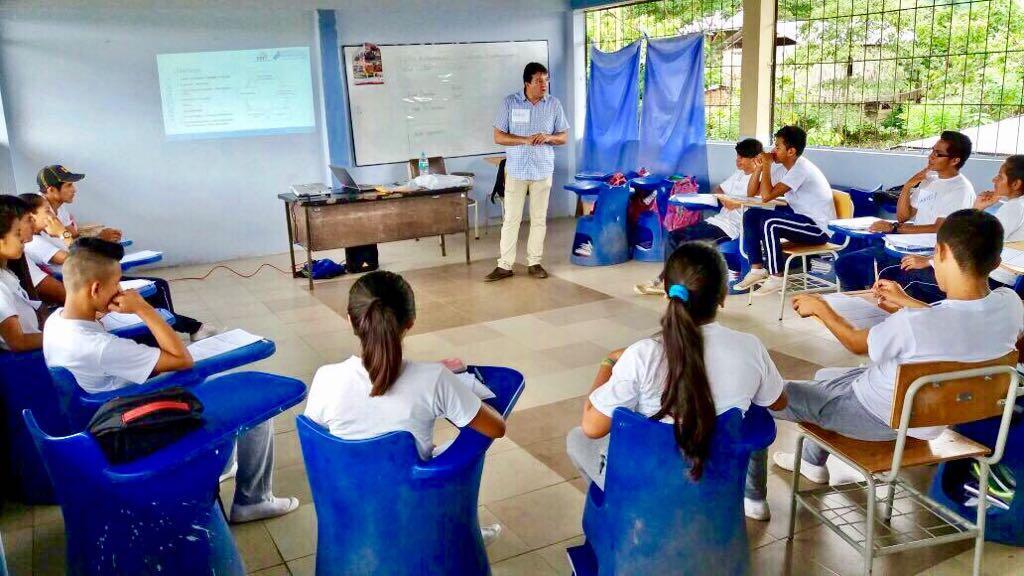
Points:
[(843, 203), (656, 519), (954, 401), (25, 385)]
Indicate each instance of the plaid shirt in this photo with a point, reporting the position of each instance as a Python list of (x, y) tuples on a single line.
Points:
[(519, 117)]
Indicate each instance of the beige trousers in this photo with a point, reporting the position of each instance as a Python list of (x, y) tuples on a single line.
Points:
[(515, 199)]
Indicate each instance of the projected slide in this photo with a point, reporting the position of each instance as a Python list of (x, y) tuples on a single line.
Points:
[(236, 93)]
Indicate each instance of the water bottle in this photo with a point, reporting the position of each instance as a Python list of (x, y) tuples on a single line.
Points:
[(424, 165)]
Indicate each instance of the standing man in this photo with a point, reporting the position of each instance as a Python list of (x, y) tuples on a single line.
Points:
[(528, 124)]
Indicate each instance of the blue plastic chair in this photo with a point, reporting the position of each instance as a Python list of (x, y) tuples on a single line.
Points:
[(652, 518), (863, 200), (160, 514), (647, 234), (25, 385), (605, 229), (142, 262), (77, 407), (381, 510)]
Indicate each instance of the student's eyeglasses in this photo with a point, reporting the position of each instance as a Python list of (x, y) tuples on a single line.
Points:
[(938, 154)]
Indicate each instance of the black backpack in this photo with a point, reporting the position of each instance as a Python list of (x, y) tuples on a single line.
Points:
[(130, 427), (361, 259)]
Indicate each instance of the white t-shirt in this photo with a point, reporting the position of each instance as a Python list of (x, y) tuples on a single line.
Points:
[(986, 328), (730, 221), (15, 302), (35, 272), (809, 191), (339, 399), (937, 197), (99, 360), (42, 247), (738, 366), (1011, 215), (64, 215)]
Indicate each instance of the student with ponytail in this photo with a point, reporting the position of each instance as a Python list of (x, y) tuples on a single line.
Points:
[(379, 391), (19, 319), (685, 376)]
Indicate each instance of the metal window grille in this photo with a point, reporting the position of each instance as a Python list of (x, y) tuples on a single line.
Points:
[(720, 21), (893, 74)]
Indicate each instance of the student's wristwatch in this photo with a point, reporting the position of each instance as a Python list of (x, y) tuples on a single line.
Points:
[(896, 227), (66, 235)]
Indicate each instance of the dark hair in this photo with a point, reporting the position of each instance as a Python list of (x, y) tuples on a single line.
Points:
[(33, 200), (531, 69), (959, 146), (111, 250), (12, 209), (699, 267), (381, 306), (975, 238), (793, 137), (749, 148), (1014, 168)]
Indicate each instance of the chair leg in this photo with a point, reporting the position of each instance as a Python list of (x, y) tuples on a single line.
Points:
[(803, 270), (444, 252), (869, 527), (797, 459), (476, 221), (979, 540), (785, 284), (889, 501)]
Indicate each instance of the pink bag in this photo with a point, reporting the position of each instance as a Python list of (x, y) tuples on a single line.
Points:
[(677, 217)]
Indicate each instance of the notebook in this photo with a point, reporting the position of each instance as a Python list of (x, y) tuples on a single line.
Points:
[(221, 344), (862, 223), (117, 320), (695, 199), (135, 284), (911, 242), (858, 311), (470, 380), (140, 256)]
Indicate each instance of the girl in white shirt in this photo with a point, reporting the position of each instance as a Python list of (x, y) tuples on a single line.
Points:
[(1009, 188), (693, 371), (19, 323), (379, 392)]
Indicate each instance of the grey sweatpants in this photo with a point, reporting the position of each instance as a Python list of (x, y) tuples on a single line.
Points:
[(255, 450), (589, 456)]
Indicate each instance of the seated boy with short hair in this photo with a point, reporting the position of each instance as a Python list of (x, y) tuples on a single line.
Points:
[(987, 324), (102, 362)]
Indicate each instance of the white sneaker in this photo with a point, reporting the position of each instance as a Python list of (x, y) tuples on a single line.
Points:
[(230, 472), (754, 277), (271, 509), (770, 286), (655, 287), (490, 533), (205, 331), (816, 474), (756, 510)]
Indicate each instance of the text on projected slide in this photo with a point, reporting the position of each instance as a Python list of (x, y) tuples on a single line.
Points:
[(236, 92)]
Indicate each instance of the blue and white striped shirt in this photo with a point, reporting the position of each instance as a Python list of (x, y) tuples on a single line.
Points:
[(519, 117)]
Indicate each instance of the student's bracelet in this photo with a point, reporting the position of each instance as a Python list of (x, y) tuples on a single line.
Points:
[(608, 362)]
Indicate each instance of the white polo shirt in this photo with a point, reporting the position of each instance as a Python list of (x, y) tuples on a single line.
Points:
[(1011, 215), (986, 328), (937, 197), (339, 399), (15, 302), (64, 215), (42, 247), (809, 191), (730, 221), (35, 272), (99, 360), (738, 366)]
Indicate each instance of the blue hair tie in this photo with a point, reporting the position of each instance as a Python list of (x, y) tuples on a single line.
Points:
[(679, 291)]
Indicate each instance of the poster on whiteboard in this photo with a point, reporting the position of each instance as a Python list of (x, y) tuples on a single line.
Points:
[(433, 99)]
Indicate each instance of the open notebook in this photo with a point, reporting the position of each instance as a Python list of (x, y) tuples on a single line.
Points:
[(858, 311), (478, 388), (221, 344), (134, 284), (861, 223)]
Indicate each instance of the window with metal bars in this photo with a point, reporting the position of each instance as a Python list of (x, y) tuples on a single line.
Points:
[(720, 21), (893, 74)]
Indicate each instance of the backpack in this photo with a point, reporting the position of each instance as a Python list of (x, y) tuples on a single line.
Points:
[(677, 217), (130, 427)]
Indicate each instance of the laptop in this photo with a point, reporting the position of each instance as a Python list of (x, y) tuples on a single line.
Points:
[(347, 183)]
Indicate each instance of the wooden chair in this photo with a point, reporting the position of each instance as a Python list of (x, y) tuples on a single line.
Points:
[(926, 394), (803, 281), (436, 166)]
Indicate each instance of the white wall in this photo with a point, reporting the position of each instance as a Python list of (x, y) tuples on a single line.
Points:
[(80, 87)]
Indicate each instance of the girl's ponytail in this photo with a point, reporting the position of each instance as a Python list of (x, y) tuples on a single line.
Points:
[(381, 307)]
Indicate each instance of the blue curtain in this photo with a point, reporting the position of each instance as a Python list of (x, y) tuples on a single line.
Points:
[(610, 137), (672, 126)]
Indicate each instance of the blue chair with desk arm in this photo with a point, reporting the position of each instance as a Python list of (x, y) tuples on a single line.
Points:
[(381, 510), (647, 234), (601, 238), (652, 518), (77, 407), (160, 514)]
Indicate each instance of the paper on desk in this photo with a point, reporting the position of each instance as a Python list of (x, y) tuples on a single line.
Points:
[(701, 199), (862, 223), (117, 320), (140, 255), (221, 343), (478, 388), (1013, 257), (911, 241), (135, 284), (859, 312)]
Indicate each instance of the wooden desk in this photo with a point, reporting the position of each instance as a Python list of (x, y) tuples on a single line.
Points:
[(342, 220), (496, 160)]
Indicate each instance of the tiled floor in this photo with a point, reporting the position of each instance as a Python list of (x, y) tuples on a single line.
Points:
[(555, 332)]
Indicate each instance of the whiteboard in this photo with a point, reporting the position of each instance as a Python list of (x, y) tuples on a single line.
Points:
[(440, 99)]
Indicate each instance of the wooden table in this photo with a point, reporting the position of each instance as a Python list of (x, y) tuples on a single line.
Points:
[(343, 220)]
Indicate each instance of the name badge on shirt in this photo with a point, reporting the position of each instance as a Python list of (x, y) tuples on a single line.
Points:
[(520, 115)]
